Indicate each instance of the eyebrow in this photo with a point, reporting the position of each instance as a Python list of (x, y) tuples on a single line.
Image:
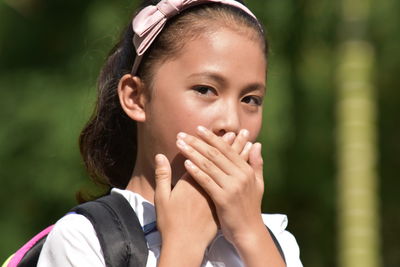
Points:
[(209, 75), (221, 80)]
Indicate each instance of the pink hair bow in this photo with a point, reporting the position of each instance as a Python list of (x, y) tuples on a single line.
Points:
[(149, 22)]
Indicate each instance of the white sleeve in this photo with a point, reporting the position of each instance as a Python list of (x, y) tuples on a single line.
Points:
[(72, 242), (277, 223)]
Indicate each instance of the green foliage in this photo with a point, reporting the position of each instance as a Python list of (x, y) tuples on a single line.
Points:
[(50, 55)]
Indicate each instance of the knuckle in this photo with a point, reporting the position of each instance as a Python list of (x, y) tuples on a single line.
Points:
[(236, 188), (206, 164), (161, 172), (207, 180), (212, 152)]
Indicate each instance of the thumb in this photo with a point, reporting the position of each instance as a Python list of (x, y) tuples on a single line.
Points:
[(162, 178), (256, 161)]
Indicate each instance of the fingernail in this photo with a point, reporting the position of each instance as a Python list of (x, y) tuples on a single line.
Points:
[(182, 135), (231, 135), (159, 159), (245, 133), (248, 146), (189, 164), (228, 136), (202, 129), (181, 144), (258, 146)]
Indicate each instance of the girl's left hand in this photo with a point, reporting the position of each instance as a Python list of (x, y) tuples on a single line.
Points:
[(233, 181)]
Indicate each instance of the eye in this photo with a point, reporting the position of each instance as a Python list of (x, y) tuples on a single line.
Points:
[(253, 100), (204, 90)]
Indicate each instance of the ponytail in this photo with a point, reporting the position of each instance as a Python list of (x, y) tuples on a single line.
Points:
[(108, 141)]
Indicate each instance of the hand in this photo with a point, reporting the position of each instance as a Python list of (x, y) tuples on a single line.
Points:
[(234, 182), (231, 174), (185, 218)]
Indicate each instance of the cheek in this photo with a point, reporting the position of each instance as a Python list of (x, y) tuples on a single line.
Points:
[(189, 116), (253, 124), (179, 114)]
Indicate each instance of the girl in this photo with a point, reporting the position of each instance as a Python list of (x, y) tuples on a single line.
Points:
[(178, 111)]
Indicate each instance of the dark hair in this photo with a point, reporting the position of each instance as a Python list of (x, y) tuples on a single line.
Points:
[(108, 141)]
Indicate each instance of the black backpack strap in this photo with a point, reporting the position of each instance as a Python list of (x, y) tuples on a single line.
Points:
[(118, 229), (31, 257), (278, 246)]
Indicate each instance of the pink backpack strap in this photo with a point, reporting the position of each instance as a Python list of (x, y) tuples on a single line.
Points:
[(22, 251)]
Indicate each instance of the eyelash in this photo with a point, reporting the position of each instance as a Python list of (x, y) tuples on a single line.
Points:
[(204, 91), (257, 100), (200, 90)]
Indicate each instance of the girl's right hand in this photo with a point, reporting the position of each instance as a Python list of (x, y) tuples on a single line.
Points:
[(185, 217)]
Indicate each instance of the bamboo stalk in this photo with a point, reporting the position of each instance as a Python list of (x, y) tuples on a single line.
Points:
[(358, 218)]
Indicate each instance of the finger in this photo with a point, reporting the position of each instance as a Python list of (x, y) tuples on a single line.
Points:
[(202, 179), (240, 141), (246, 151), (206, 156), (215, 143), (256, 161), (205, 164), (162, 178), (229, 137)]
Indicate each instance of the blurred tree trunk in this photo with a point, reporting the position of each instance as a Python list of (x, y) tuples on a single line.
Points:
[(358, 218)]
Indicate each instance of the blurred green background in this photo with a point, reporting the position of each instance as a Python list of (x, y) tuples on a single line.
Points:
[(51, 52)]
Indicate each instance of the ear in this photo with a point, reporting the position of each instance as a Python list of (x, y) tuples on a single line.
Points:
[(132, 97)]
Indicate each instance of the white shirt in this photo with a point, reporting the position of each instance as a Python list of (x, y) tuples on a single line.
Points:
[(73, 240)]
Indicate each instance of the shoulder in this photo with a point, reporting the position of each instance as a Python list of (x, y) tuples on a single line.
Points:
[(73, 240), (277, 223)]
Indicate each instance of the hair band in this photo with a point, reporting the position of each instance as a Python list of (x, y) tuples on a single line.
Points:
[(149, 22)]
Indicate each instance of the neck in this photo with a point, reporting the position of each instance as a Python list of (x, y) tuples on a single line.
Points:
[(143, 177), (142, 180)]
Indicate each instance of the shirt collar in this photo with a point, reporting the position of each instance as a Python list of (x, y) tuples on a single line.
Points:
[(144, 210)]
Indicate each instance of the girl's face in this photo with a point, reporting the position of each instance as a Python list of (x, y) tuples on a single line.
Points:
[(217, 81)]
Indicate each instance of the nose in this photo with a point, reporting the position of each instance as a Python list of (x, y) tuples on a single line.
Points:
[(227, 119)]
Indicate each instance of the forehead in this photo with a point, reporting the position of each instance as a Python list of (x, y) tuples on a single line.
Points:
[(226, 52)]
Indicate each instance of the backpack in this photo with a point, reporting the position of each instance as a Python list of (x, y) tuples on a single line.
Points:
[(110, 216)]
